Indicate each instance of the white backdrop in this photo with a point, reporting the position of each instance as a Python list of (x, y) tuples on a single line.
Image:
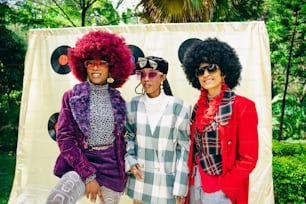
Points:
[(43, 89)]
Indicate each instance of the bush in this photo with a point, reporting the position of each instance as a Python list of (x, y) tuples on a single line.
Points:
[(7, 169), (289, 172), (288, 148)]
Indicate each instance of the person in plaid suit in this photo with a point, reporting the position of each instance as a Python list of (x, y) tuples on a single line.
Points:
[(224, 138), (157, 138)]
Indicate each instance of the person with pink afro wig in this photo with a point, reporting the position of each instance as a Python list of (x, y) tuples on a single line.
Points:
[(91, 121), (103, 46)]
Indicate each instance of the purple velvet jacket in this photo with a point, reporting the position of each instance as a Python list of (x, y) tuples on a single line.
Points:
[(73, 129)]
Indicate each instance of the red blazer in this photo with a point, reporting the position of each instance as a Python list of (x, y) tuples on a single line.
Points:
[(239, 143)]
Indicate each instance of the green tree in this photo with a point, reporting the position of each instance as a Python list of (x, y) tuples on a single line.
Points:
[(68, 13), (286, 28), (160, 11), (12, 54)]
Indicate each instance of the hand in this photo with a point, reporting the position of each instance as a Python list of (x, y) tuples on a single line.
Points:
[(92, 190), (180, 199), (136, 171)]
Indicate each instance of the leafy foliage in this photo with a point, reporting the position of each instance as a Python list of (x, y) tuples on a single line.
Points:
[(59, 13), (286, 27), (160, 11), (294, 148), (239, 10), (12, 55), (7, 169), (295, 120), (289, 173), (289, 182)]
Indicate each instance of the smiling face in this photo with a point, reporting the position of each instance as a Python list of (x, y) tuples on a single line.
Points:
[(151, 81), (97, 71), (210, 80)]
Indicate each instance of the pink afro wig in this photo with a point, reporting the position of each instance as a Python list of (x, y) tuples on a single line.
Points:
[(106, 46)]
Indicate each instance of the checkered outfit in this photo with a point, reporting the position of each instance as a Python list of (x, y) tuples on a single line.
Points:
[(162, 155), (208, 146)]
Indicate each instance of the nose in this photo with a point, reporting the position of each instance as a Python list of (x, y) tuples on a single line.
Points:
[(95, 66), (146, 77), (206, 72)]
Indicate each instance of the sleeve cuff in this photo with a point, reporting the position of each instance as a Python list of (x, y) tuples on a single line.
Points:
[(90, 178)]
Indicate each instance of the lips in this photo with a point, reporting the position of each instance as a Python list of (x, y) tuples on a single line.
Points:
[(208, 81), (146, 85)]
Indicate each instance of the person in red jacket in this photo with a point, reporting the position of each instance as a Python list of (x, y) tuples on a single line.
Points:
[(224, 137)]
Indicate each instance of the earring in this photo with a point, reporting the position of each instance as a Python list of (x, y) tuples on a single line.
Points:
[(110, 80)]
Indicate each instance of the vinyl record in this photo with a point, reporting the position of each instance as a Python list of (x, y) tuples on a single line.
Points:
[(184, 46), (52, 125), (137, 52), (59, 60)]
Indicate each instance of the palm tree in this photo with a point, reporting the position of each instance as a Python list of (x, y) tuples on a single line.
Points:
[(182, 11), (174, 11)]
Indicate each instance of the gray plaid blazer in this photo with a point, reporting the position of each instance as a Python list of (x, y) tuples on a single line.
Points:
[(162, 155)]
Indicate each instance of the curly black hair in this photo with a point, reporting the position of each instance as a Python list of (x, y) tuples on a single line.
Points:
[(212, 51)]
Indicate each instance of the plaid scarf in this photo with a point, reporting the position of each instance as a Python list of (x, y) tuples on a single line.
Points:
[(207, 140)]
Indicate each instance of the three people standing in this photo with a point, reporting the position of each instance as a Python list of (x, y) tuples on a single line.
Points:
[(219, 139)]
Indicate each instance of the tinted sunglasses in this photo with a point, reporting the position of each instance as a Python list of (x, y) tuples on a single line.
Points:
[(144, 61), (150, 74), (211, 68), (90, 64)]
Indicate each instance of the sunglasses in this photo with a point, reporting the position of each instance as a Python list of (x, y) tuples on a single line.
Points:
[(90, 64), (211, 68), (150, 74), (144, 61)]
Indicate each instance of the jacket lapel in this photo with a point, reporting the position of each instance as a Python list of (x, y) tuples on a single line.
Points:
[(79, 103)]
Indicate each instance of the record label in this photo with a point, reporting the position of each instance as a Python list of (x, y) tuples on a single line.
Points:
[(52, 125), (59, 60)]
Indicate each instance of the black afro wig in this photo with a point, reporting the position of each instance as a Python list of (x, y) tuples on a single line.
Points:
[(212, 51)]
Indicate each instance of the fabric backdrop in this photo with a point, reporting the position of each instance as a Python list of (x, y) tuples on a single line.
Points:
[(47, 77)]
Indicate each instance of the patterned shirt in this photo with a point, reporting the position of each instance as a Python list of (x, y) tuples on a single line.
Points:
[(101, 116), (208, 146)]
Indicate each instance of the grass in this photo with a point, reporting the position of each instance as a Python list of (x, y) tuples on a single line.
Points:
[(7, 170)]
